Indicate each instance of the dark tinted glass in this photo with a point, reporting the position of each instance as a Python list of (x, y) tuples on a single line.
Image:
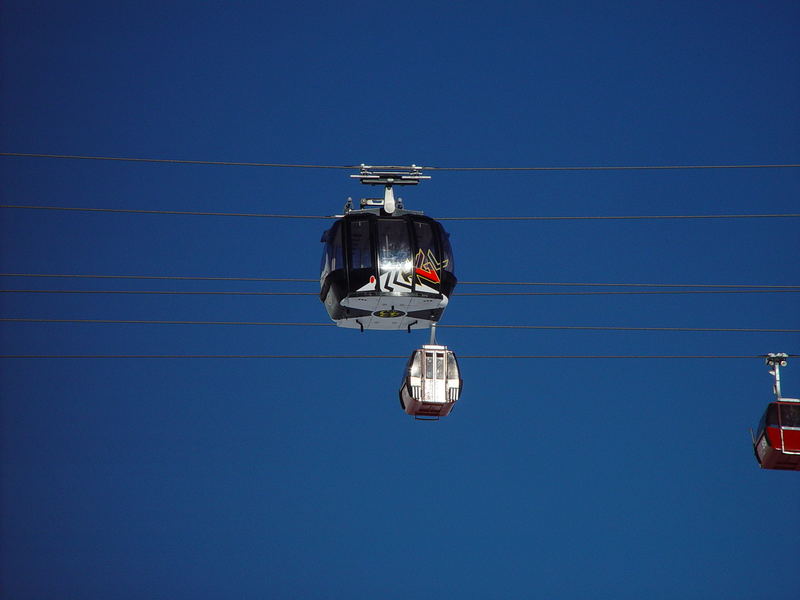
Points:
[(424, 234), (447, 253), (360, 247), (772, 414), (336, 250), (790, 415)]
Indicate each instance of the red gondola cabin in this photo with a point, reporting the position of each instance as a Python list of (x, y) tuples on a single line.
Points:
[(777, 442)]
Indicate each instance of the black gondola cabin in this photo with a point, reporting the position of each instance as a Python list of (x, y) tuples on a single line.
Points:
[(386, 271)]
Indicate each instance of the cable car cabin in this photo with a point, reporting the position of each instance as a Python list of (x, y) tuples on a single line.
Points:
[(431, 383), (383, 271), (777, 442)]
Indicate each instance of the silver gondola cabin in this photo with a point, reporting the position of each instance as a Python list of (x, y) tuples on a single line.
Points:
[(432, 382)]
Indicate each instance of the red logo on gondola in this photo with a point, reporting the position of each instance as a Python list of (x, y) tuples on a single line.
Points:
[(430, 275), (426, 266)]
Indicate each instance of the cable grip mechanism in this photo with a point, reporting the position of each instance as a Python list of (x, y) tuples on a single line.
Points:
[(389, 176)]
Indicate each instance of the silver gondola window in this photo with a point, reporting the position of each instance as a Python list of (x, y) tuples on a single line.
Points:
[(452, 367), (415, 367)]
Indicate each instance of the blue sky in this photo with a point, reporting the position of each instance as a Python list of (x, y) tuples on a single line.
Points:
[(303, 478)]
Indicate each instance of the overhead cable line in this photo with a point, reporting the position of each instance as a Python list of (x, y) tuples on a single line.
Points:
[(316, 280), (647, 285), (379, 356), (164, 277), (425, 168), (167, 212), (223, 163), (328, 217), (164, 293), (306, 324), (625, 293), (459, 294), (622, 217)]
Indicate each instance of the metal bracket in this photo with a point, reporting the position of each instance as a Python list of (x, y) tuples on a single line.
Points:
[(390, 176)]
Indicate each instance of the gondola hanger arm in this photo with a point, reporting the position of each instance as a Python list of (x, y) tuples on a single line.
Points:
[(776, 361)]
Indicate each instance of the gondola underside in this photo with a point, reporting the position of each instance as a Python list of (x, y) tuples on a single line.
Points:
[(385, 311)]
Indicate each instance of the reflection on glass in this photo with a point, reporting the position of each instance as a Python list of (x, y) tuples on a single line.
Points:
[(415, 369), (452, 367), (394, 250)]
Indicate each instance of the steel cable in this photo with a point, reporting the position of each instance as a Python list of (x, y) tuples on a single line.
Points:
[(421, 168), (314, 324), (455, 294), (379, 356), (483, 218), (316, 280)]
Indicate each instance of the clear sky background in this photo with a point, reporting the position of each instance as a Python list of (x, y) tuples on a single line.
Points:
[(256, 478)]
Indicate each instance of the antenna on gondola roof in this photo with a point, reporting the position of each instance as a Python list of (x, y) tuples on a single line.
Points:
[(390, 176)]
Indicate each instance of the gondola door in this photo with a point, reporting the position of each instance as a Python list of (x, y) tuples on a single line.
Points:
[(434, 374)]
